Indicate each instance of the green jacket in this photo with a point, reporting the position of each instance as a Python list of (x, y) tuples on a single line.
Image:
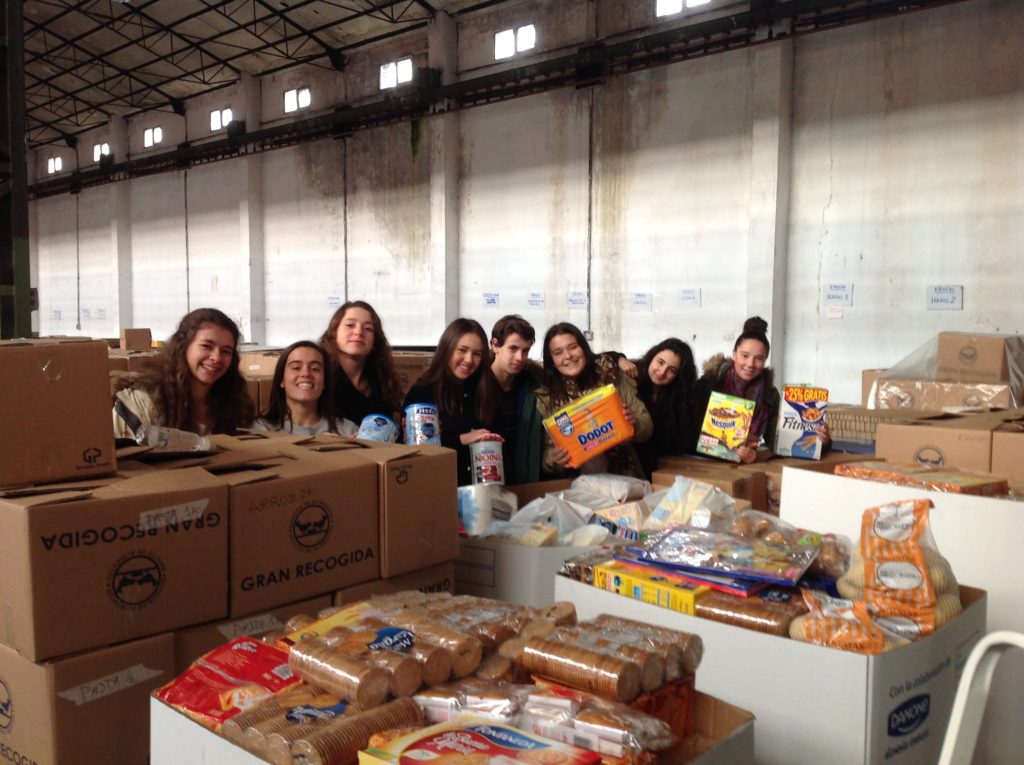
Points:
[(525, 467)]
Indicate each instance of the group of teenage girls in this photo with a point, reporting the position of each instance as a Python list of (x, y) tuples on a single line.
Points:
[(485, 388)]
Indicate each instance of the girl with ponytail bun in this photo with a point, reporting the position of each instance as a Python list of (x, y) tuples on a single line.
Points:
[(746, 376)]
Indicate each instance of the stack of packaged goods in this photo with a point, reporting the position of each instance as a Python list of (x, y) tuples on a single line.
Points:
[(371, 675)]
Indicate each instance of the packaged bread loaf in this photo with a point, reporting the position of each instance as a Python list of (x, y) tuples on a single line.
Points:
[(688, 647), (842, 624), (769, 611), (341, 742), (599, 673), (351, 677), (908, 587)]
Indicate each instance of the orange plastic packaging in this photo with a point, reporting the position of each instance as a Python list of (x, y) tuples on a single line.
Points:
[(590, 425)]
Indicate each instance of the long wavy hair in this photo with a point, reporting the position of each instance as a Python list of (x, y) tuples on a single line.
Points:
[(380, 364), (447, 387), (672, 407), (562, 390), (167, 380), (278, 413)]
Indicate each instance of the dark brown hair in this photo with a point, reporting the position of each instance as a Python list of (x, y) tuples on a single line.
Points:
[(167, 380), (513, 324), (446, 387), (380, 364), (754, 328), (554, 381), (277, 408)]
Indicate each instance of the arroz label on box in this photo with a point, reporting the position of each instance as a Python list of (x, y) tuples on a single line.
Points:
[(801, 415)]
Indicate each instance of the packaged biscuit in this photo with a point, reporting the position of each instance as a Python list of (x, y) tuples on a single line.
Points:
[(475, 741), (590, 425), (726, 425), (800, 418)]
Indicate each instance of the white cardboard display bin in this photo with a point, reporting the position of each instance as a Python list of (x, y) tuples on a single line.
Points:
[(514, 573), (176, 740), (814, 704), (982, 538)]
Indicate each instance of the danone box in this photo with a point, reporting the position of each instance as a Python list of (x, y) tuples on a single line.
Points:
[(725, 428), (801, 414), (590, 425)]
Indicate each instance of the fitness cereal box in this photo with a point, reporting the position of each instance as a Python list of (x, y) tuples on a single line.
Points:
[(476, 741), (800, 417), (725, 428), (590, 425)]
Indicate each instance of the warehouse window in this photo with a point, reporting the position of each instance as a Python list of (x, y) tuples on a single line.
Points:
[(219, 118), (672, 7), (395, 73), (152, 136), (100, 150), (296, 98), (509, 42), (54, 165)]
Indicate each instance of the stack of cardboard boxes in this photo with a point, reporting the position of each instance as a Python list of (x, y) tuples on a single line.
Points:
[(120, 572)]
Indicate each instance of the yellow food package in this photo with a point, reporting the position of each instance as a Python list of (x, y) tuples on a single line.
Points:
[(726, 425), (590, 425)]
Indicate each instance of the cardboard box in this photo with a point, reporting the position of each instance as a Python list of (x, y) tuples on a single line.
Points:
[(96, 565), (86, 709), (117, 362), (858, 424), (815, 704), (749, 485), (302, 524), (1008, 451), (980, 536), (968, 357), (410, 366), (932, 396), (192, 642), (56, 412), (950, 441), (257, 361), (419, 525), (440, 578), (724, 736), (136, 339), (868, 377)]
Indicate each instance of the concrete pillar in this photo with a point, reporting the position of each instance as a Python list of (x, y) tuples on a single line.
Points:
[(250, 213), (121, 227), (771, 164), (443, 134)]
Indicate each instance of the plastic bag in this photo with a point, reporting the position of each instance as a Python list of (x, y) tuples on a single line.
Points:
[(619, 488), (548, 510), (691, 503)]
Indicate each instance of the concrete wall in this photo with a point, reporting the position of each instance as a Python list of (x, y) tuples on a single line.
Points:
[(885, 155)]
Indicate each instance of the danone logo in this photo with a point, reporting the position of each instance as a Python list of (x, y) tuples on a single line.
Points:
[(930, 455), (909, 716), (136, 579), (311, 525), (6, 707)]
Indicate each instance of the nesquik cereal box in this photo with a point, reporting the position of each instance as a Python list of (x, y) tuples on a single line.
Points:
[(725, 428), (800, 416), (475, 741)]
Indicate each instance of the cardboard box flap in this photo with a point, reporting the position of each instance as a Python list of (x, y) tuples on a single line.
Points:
[(249, 473), (39, 497), (329, 442), (158, 482)]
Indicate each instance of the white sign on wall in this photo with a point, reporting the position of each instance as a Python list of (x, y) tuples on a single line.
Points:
[(535, 299), (834, 312), (577, 300), (333, 302), (838, 293), (641, 301), (945, 297), (491, 299), (689, 298)]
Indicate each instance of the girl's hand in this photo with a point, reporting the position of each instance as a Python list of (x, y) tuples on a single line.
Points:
[(746, 453), (479, 434), (627, 367), (561, 457), (629, 415)]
